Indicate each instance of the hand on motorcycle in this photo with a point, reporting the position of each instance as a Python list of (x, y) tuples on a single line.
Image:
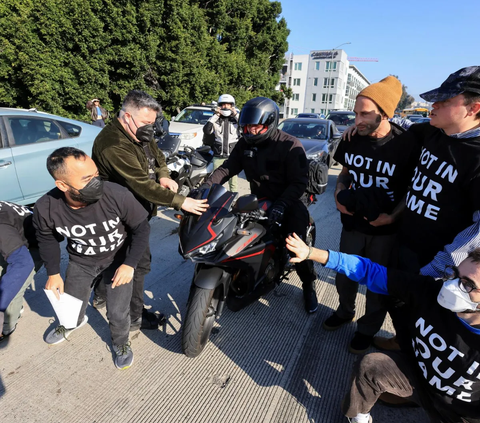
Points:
[(276, 214), (195, 206), (168, 183)]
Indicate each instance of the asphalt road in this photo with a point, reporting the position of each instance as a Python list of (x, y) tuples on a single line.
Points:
[(270, 362)]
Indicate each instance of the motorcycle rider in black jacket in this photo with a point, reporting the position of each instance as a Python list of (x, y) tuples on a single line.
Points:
[(276, 167)]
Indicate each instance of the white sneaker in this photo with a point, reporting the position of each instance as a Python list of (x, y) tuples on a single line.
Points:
[(357, 420), (60, 334)]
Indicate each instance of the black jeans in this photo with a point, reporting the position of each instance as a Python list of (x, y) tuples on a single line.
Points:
[(79, 282), (296, 219), (377, 248), (136, 303)]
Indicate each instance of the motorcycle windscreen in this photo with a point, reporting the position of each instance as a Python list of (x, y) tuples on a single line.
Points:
[(169, 143)]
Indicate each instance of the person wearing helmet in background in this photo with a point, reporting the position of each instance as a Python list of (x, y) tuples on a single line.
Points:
[(276, 167), (221, 133)]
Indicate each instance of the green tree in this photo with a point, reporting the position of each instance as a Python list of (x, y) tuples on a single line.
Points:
[(406, 99)]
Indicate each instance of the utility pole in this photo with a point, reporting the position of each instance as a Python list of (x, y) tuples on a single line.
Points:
[(329, 79)]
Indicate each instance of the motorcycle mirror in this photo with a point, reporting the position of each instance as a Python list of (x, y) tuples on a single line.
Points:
[(246, 203)]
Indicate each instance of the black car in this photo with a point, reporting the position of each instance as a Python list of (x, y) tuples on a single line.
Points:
[(342, 119), (319, 137), (310, 115)]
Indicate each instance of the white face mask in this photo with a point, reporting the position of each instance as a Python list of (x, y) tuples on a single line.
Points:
[(454, 299), (225, 112)]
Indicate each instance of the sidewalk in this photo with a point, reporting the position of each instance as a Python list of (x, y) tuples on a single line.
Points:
[(270, 362)]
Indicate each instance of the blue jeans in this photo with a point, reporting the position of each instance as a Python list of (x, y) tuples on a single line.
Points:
[(79, 282)]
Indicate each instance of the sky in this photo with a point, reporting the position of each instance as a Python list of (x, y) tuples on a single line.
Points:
[(420, 41)]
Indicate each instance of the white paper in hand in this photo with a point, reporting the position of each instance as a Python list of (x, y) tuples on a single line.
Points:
[(67, 308)]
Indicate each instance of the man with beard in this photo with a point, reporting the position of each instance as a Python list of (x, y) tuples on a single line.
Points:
[(377, 168), (438, 366), (107, 233)]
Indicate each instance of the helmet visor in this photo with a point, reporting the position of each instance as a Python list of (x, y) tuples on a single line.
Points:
[(254, 116)]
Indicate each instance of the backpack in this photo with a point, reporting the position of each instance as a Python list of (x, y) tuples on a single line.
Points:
[(317, 177)]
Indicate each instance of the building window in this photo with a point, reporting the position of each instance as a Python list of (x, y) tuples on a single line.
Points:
[(331, 66), (324, 98), (294, 112), (296, 81), (326, 80), (298, 66), (314, 97), (317, 65), (296, 97), (312, 110), (315, 81)]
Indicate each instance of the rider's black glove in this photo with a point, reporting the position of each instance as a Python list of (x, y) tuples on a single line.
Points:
[(277, 212)]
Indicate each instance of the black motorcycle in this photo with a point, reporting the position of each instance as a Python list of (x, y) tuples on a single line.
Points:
[(238, 257), (189, 167)]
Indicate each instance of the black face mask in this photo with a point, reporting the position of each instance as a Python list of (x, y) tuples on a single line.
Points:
[(90, 193), (144, 133)]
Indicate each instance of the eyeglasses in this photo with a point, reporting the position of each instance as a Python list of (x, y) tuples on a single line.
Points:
[(465, 284)]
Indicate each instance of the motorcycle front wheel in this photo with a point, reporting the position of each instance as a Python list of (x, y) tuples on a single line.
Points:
[(201, 312)]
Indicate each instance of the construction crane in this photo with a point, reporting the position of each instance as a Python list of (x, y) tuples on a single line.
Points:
[(362, 59)]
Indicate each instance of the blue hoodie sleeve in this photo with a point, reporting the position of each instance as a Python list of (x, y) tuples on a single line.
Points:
[(359, 269), (19, 266)]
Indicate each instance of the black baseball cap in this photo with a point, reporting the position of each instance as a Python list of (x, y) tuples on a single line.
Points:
[(465, 79)]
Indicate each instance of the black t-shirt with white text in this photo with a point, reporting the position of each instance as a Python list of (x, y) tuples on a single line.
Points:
[(94, 233), (16, 228), (385, 163), (443, 350), (444, 193)]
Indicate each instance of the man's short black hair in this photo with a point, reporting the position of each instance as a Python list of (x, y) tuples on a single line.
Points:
[(137, 99), (472, 98), (56, 161)]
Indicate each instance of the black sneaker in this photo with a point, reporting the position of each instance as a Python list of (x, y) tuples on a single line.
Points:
[(99, 303), (123, 356), (310, 297), (148, 321), (360, 343), (334, 322)]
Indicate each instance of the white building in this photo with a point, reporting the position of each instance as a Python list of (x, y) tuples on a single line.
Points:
[(319, 82), (356, 82)]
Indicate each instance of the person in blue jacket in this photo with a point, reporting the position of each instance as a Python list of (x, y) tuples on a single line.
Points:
[(438, 365)]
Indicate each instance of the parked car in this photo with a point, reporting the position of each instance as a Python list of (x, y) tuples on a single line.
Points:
[(319, 137), (342, 119), (188, 124), (27, 137), (310, 115)]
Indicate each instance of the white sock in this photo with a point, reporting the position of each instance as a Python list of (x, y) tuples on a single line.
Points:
[(361, 418)]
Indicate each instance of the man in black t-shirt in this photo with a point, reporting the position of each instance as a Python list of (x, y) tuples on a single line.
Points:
[(438, 366), (18, 262), (107, 233), (377, 168)]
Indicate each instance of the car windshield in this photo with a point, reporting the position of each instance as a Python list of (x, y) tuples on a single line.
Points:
[(346, 119), (194, 116), (309, 131)]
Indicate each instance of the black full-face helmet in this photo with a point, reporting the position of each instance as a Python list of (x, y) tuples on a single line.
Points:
[(259, 111)]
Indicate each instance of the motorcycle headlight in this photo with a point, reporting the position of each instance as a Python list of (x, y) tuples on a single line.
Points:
[(187, 137), (208, 248)]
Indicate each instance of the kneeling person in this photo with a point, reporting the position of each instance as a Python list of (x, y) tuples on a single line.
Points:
[(107, 232), (438, 366)]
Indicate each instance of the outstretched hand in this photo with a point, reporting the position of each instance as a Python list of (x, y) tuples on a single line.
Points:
[(297, 246)]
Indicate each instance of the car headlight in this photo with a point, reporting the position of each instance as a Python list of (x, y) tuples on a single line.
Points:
[(208, 248), (316, 155), (188, 136)]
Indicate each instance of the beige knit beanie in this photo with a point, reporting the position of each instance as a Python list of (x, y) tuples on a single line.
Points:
[(386, 94)]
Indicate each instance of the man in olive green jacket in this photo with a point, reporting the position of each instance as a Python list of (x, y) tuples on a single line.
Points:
[(126, 153)]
